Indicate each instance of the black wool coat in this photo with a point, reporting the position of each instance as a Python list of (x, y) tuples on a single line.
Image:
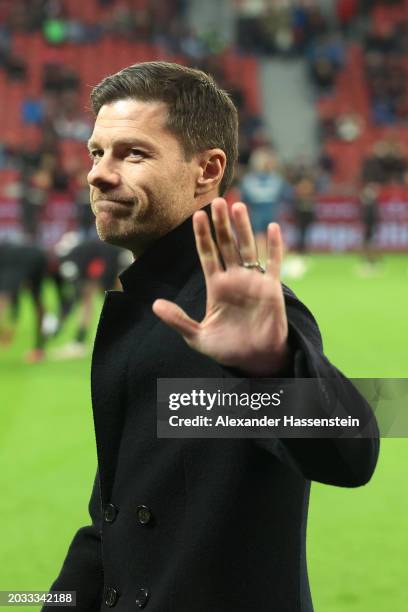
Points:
[(196, 525)]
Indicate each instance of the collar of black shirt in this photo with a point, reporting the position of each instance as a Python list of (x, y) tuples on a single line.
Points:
[(169, 261)]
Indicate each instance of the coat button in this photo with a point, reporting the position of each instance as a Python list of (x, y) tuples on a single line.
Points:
[(142, 597), (143, 515), (110, 513), (111, 597)]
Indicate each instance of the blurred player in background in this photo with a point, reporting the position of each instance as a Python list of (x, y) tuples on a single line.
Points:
[(87, 268), (369, 218), (22, 266), (304, 195), (302, 206)]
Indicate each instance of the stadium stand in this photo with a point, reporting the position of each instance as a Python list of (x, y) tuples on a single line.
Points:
[(71, 46), (52, 53), (368, 104)]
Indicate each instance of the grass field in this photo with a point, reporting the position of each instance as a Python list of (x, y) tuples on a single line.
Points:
[(357, 538)]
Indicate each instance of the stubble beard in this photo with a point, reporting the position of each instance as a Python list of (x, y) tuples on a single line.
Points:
[(139, 229), (148, 220), (126, 232)]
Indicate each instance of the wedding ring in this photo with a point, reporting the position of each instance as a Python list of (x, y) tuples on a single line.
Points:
[(254, 266)]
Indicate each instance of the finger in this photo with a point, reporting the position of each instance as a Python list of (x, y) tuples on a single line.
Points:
[(275, 250), (175, 317), (246, 239), (223, 230), (207, 251)]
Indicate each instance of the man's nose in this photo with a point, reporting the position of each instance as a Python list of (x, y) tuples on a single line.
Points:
[(104, 174)]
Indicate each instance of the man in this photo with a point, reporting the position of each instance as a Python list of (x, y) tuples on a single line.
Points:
[(370, 216), (264, 190), (190, 525)]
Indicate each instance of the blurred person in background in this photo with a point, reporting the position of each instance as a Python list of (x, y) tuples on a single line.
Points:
[(326, 57), (369, 207), (22, 266), (35, 188), (263, 189), (346, 12), (305, 179), (304, 203), (249, 24), (349, 126), (85, 216), (90, 267), (280, 27), (251, 130), (387, 163), (324, 173)]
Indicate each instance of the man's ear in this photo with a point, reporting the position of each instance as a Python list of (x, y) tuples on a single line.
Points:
[(211, 170)]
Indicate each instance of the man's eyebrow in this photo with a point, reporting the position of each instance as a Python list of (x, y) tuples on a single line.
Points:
[(93, 144)]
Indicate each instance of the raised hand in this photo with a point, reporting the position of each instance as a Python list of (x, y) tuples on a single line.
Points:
[(245, 325)]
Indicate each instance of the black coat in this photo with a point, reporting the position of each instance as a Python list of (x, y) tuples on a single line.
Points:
[(193, 525)]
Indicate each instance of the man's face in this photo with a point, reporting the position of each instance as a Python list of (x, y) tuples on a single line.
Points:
[(141, 184)]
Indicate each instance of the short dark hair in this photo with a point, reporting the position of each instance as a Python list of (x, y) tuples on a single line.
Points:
[(201, 115)]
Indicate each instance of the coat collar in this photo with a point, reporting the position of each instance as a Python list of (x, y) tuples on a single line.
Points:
[(169, 261)]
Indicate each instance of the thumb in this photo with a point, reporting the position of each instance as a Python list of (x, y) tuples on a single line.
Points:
[(176, 318)]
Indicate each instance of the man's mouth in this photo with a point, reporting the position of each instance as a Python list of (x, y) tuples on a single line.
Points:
[(113, 207)]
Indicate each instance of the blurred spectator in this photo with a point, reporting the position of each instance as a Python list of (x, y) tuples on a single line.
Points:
[(191, 45), (70, 124), (386, 75), (5, 42), (277, 29), (326, 58), (248, 15), (349, 127), (15, 67), (346, 11), (383, 39), (387, 163), (323, 73), (284, 27), (58, 78), (85, 216)]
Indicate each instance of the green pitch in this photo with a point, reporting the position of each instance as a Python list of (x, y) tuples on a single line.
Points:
[(357, 538)]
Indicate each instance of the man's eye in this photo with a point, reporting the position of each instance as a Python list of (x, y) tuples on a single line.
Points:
[(136, 153), (95, 153)]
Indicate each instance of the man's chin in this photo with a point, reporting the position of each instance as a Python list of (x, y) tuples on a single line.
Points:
[(123, 234), (112, 235)]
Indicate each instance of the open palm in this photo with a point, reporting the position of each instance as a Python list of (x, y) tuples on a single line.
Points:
[(245, 325)]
